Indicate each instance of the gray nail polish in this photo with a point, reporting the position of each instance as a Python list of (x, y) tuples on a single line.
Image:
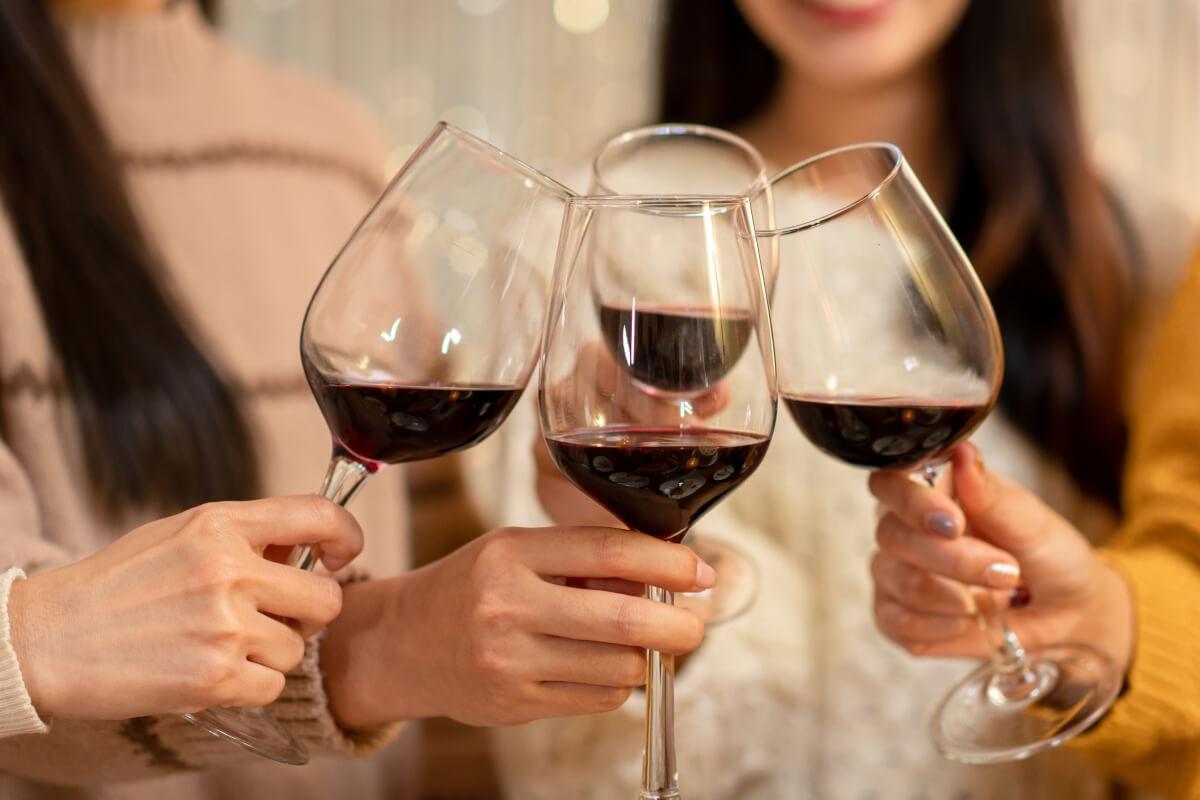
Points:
[(942, 524)]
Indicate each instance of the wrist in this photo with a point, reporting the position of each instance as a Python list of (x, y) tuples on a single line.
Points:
[(1107, 622), (366, 655)]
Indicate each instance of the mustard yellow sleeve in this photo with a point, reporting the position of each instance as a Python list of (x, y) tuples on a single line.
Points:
[(1151, 737)]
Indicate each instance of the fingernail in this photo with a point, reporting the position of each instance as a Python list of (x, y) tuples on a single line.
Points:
[(1019, 597), (706, 576), (1002, 575), (942, 524)]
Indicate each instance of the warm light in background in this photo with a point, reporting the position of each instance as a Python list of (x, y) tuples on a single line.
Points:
[(580, 16)]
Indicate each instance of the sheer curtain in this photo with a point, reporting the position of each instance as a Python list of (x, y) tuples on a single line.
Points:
[(547, 80), (550, 78)]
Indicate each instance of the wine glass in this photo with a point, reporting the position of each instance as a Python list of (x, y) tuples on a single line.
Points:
[(423, 332), (687, 159), (889, 356), (657, 462)]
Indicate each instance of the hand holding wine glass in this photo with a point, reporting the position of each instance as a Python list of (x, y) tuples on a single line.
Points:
[(496, 634), (619, 388), (1066, 593), (889, 356), (181, 613)]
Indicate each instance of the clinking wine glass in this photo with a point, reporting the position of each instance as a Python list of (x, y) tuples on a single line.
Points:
[(889, 355), (688, 159), (423, 332), (656, 462)]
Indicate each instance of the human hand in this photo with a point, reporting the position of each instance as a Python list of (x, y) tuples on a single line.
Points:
[(181, 614), (492, 635), (924, 558)]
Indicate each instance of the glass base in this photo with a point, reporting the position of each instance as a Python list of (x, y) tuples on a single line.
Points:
[(673, 794), (254, 729), (1073, 685), (736, 588)]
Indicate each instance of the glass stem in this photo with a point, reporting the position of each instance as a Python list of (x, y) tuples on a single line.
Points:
[(342, 480), (1013, 681), (660, 778)]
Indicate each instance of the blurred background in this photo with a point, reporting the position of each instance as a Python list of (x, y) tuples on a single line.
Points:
[(549, 80)]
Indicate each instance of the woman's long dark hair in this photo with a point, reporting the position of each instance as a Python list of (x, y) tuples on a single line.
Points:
[(1030, 209), (160, 429)]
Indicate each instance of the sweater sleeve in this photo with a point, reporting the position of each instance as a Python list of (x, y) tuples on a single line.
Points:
[(78, 752), (17, 714), (1151, 737)]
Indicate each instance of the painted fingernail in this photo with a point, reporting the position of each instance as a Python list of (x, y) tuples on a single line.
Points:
[(942, 524), (1002, 575), (706, 576), (1019, 597)]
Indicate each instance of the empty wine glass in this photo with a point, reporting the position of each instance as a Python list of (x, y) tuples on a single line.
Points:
[(687, 159), (889, 355), (423, 332), (657, 462)]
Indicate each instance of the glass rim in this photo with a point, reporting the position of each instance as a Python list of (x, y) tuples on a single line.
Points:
[(504, 157), (660, 200), (690, 129), (898, 163)]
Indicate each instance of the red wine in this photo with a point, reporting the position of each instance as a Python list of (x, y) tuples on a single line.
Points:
[(657, 480), (676, 349), (886, 432), (391, 424)]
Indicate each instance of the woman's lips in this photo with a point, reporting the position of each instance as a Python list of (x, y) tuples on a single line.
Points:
[(847, 12)]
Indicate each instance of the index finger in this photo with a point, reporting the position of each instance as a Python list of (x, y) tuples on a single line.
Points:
[(297, 520), (918, 506), (584, 552)]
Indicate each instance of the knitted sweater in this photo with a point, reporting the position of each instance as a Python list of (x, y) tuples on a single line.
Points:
[(1152, 735), (247, 179)]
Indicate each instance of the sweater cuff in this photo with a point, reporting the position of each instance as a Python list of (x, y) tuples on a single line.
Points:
[(17, 715), (1164, 678), (303, 708)]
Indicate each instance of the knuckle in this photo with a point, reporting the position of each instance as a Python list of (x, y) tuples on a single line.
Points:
[(327, 599), (211, 675), (887, 534), (493, 663), (613, 552), (212, 517), (269, 691), (295, 650), (324, 513), (914, 585), (628, 620), (217, 570), (494, 612), (497, 549)]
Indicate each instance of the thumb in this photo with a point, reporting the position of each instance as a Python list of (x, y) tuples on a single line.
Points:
[(998, 510)]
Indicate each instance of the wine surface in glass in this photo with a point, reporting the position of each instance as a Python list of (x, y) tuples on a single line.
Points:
[(657, 480), (382, 423), (883, 432), (676, 349)]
